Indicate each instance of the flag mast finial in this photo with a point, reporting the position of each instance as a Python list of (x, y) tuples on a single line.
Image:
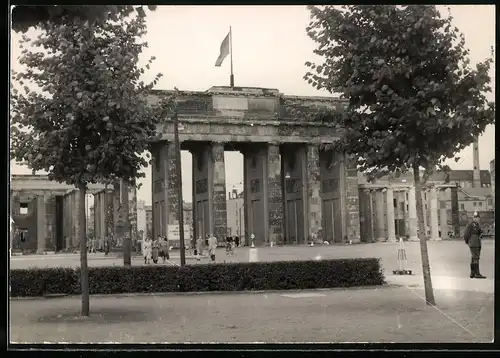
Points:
[(231, 77)]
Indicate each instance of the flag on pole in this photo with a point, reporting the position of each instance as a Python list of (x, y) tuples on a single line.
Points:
[(224, 50)]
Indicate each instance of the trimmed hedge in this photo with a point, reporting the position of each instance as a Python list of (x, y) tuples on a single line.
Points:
[(282, 275)]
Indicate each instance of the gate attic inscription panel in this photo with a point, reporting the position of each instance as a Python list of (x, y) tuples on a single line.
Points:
[(274, 143)]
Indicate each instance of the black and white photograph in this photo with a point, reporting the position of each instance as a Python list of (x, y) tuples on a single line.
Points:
[(251, 174)]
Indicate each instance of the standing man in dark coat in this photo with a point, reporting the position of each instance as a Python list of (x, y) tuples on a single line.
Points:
[(472, 237)]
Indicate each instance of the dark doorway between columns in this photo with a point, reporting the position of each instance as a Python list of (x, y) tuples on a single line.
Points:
[(235, 195), (294, 174)]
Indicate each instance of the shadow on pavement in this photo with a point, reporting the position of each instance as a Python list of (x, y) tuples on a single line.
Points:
[(99, 315)]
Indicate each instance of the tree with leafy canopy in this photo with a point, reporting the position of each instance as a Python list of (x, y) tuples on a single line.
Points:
[(413, 99), (89, 120), (24, 17)]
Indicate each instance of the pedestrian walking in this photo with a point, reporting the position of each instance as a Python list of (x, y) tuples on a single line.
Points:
[(472, 237), (146, 250), (237, 241), (212, 246), (164, 249), (106, 245), (229, 240), (156, 249), (199, 248)]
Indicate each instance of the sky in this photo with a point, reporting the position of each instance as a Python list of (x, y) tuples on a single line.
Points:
[(270, 47)]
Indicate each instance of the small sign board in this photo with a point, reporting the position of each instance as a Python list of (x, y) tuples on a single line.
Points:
[(173, 235)]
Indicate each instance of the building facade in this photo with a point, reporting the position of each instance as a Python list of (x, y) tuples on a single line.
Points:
[(289, 182), (236, 214), (45, 214), (188, 218), (141, 220)]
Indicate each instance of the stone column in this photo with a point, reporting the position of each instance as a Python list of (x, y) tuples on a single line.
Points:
[(314, 194), (380, 210), (219, 213), (67, 222), (373, 231), (97, 219), (40, 224), (391, 229), (274, 195), (443, 218), (454, 211), (172, 207), (433, 217), (76, 221), (412, 214), (350, 193)]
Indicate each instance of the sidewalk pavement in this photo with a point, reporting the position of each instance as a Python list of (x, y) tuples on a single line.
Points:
[(448, 283), (383, 314)]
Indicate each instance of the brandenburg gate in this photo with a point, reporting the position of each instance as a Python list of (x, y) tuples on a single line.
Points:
[(293, 190)]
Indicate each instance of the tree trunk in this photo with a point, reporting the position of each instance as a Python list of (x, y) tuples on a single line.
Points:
[(127, 240), (84, 270), (422, 236)]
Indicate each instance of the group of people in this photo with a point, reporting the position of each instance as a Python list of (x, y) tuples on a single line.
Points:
[(211, 242), (152, 249)]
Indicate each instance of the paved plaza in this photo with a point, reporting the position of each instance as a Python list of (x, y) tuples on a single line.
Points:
[(386, 314), (447, 258), (393, 313)]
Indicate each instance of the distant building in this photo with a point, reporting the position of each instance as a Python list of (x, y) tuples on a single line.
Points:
[(235, 214), (141, 219), (188, 217), (149, 220), (91, 221)]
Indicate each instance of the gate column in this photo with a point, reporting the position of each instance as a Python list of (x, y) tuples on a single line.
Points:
[(350, 200), (314, 193), (40, 223), (172, 182), (218, 191), (274, 195), (380, 215)]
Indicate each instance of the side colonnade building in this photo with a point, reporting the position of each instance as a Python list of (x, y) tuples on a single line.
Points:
[(45, 214)]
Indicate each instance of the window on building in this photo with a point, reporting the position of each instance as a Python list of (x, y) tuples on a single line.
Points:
[(425, 196), (23, 209), (407, 207), (407, 196), (425, 206), (480, 203), (395, 202), (402, 206), (462, 207), (474, 203), (490, 201)]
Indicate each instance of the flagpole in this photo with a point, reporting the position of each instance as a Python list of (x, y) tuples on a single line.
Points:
[(231, 78)]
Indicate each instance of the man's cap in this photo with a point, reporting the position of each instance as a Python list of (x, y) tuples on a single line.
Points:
[(476, 214)]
